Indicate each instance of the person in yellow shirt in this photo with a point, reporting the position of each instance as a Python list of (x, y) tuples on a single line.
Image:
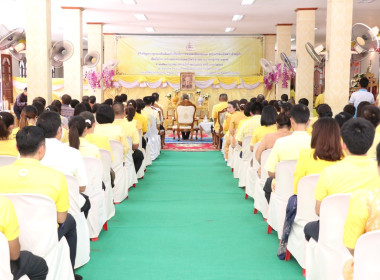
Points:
[(232, 108), (372, 114), (130, 131), (319, 100), (356, 171), (248, 126), (323, 111), (21, 262), (223, 98), (27, 175), (77, 140), (105, 117), (101, 141), (268, 125), (238, 116), (139, 116), (7, 144)]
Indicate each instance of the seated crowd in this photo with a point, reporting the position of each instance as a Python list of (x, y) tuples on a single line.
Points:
[(52, 142), (342, 150)]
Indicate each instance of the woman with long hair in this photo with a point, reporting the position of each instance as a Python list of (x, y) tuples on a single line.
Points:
[(28, 117), (7, 143)]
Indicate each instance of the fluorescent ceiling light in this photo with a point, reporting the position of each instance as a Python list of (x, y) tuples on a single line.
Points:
[(140, 16), (237, 17), (292, 39), (84, 38), (247, 2), (149, 29), (129, 2), (315, 28), (230, 29)]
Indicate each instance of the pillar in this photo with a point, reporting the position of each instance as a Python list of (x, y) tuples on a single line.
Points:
[(338, 46), (270, 55), (110, 48), (95, 43), (38, 36), (73, 69), (284, 33), (305, 32)]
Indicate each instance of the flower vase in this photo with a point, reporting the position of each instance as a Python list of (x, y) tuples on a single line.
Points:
[(200, 100), (175, 99)]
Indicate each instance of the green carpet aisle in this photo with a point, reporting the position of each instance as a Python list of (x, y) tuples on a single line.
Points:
[(187, 220)]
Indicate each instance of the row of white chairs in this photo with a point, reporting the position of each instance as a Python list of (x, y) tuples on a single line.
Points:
[(319, 260)]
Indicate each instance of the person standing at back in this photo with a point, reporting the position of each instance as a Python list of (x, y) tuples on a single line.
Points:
[(362, 94), (20, 103), (66, 110)]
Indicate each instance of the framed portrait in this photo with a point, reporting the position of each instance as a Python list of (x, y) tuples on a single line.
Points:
[(187, 81)]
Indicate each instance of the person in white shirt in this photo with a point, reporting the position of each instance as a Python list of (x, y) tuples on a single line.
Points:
[(362, 94), (62, 157)]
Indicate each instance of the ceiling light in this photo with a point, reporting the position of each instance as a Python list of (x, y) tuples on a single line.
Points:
[(230, 29), (149, 29), (84, 38), (237, 17), (315, 28), (292, 39), (140, 16), (129, 2), (247, 2)]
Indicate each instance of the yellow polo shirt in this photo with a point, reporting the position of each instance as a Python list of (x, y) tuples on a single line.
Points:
[(65, 135), (8, 219), (143, 121), (236, 119), (8, 148), (309, 129), (87, 149), (130, 130), (27, 175), (307, 165), (248, 127), (260, 132), (100, 141), (227, 121), (363, 214), (215, 110), (319, 100), (372, 151), (350, 174), (14, 132), (287, 148), (114, 132)]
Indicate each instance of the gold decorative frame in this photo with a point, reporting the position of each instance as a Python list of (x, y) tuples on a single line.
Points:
[(187, 81)]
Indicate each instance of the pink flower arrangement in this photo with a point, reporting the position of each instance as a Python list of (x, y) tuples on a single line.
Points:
[(108, 77), (94, 79), (279, 73), (97, 80)]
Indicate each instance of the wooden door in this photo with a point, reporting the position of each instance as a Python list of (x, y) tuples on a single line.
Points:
[(6, 75)]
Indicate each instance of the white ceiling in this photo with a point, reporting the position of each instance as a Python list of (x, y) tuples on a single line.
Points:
[(188, 17)]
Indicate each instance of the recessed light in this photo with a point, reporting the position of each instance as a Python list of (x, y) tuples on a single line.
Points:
[(84, 38), (292, 39), (129, 2), (237, 17), (140, 16), (315, 28), (149, 29), (230, 29), (247, 2)]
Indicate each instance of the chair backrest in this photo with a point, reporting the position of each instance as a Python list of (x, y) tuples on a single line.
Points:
[(367, 256), (264, 172), (306, 199), (246, 148), (5, 267), (221, 117), (7, 160), (106, 162), (332, 218), (74, 195), (94, 168), (256, 164), (117, 151), (37, 218), (186, 114), (284, 178), (153, 126), (129, 139)]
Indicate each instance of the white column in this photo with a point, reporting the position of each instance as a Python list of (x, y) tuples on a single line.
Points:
[(270, 55), (73, 69), (284, 33), (38, 36)]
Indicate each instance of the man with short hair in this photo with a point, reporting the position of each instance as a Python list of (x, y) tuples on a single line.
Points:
[(260, 98), (362, 94), (92, 100), (28, 175), (372, 114), (185, 102), (303, 101), (284, 97), (85, 99), (356, 171), (350, 109), (223, 98), (66, 110)]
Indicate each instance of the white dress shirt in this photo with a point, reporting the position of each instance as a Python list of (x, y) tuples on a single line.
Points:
[(361, 95)]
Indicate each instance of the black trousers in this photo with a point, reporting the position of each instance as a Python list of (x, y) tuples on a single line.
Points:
[(69, 230), (138, 158), (311, 230), (87, 205), (268, 188), (30, 265), (143, 143), (185, 135)]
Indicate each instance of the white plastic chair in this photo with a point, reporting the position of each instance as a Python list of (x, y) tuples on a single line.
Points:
[(37, 217), (245, 161), (236, 161), (120, 190), (148, 157), (367, 256), (130, 166), (140, 174), (279, 198), (106, 177), (305, 213), (230, 153), (261, 203), (97, 216), (5, 267), (7, 160), (83, 236), (251, 175), (325, 259)]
